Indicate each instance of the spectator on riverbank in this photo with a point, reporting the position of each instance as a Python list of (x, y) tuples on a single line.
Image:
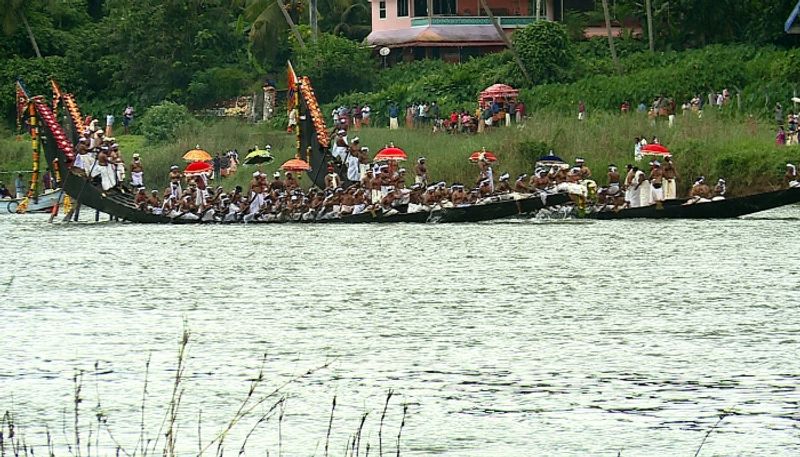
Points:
[(780, 137), (394, 113), (520, 111), (581, 110), (365, 112), (127, 119), (778, 114), (109, 125), (4, 192)]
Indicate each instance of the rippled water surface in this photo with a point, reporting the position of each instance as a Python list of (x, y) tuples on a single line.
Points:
[(512, 339)]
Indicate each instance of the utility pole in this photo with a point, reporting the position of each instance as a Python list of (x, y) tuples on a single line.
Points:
[(312, 19)]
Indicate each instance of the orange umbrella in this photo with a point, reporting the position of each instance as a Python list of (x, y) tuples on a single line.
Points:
[(295, 164), (196, 155)]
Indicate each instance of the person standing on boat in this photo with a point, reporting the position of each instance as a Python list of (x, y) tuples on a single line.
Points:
[(175, 177), (137, 171), (341, 145), (47, 180), (630, 174), (720, 190), (791, 175), (638, 179), (613, 181), (656, 183), (421, 172), (19, 186), (645, 191), (670, 177)]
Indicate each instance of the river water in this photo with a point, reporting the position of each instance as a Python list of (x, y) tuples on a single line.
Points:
[(511, 338)]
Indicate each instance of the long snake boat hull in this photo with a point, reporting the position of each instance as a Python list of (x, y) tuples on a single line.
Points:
[(720, 209), (499, 210)]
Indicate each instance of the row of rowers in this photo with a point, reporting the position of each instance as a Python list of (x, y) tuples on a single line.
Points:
[(282, 200)]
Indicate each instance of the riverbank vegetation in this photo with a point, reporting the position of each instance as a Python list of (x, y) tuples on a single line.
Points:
[(742, 150)]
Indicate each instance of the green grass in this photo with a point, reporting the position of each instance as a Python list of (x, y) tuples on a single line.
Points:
[(739, 150)]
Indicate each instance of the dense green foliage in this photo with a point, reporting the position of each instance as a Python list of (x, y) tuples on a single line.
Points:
[(163, 121), (758, 76), (335, 65), (198, 52), (546, 51)]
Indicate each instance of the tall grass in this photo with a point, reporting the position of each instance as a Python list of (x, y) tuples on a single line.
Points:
[(263, 401)]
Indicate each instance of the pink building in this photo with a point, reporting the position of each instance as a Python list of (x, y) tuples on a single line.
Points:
[(451, 29)]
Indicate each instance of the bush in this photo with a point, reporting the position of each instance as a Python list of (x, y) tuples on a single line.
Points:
[(217, 84), (163, 121)]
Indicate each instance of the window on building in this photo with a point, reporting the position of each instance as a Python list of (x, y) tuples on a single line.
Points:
[(447, 7), (382, 10), (420, 8), (402, 8)]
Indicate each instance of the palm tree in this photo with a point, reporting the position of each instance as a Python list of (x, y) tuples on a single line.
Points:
[(346, 18), (611, 38), (11, 11), (267, 22)]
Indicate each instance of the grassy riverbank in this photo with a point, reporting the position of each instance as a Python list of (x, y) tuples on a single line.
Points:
[(743, 151)]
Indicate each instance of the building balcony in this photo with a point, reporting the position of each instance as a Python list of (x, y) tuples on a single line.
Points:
[(506, 22)]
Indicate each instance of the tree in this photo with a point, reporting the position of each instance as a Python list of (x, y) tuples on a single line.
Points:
[(649, 11), (546, 51), (335, 65), (11, 10), (611, 38), (346, 18), (268, 25)]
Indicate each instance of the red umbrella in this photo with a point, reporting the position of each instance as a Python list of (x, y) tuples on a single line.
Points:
[(487, 155), (198, 167), (295, 165), (655, 150), (390, 153)]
